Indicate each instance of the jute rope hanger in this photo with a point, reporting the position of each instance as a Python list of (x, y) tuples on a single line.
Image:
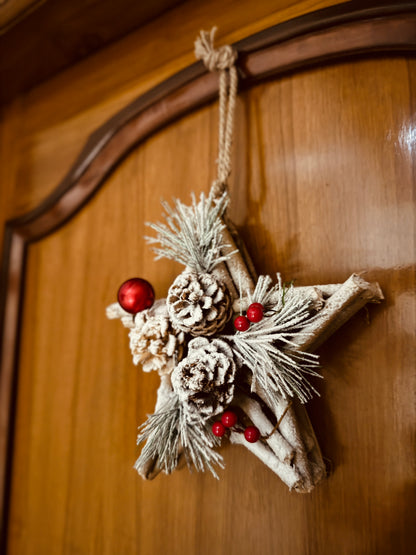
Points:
[(222, 60)]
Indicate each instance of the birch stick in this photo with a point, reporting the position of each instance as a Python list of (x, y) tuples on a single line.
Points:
[(325, 290), (344, 303), (287, 473), (277, 443), (242, 249), (236, 265), (222, 273), (299, 439), (317, 464)]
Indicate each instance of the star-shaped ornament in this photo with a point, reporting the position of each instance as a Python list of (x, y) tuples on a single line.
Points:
[(234, 352)]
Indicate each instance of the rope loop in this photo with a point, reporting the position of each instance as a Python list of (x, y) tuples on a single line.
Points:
[(222, 60), (214, 59)]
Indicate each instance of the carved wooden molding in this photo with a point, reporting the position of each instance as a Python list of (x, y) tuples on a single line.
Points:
[(333, 34), (13, 11)]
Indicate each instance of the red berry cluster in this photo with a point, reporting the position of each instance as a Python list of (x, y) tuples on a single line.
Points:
[(254, 314), (229, 420)]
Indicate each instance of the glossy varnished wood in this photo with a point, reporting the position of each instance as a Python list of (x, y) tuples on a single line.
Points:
[(42, 131), (55, 35), (50, 124), (300, 203), (294, 117), (310, 39), (331, 34)]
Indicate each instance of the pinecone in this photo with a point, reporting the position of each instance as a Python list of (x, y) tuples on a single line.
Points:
[(199, 304), (204, 380), (154, 342)]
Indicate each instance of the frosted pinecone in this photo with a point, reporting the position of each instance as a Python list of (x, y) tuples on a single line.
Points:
[(199, 304), (155, 343), (204, 380)]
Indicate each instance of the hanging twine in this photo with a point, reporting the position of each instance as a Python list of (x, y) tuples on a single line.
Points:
[(222, 60)]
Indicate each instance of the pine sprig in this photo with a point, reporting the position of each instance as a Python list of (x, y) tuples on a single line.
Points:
[(269, 347), (167, 430), (272, 297), (192, 234)]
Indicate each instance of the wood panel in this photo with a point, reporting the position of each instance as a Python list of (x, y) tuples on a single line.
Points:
[(55, 35), (55, 118), (322, 186), (290, 146), (298, 43)]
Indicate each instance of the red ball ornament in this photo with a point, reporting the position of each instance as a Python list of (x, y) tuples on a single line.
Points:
[(255, 312), (135, 295), (252, 434), (241, 323), (218, 429), (229, 419)]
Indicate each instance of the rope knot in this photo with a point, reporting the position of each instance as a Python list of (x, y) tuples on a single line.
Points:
[(214, 59)]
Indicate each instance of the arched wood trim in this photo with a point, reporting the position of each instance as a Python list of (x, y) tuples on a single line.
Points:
[(350, 29)]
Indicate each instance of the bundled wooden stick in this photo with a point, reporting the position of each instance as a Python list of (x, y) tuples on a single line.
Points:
[(276, 441), (288, 474), (295, 444), (348, 299)]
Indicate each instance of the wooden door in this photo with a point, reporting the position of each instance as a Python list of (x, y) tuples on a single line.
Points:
[(322, 186)]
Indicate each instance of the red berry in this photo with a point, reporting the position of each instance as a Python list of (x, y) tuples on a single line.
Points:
[(229, 419), (241, 323), (218, 429), (252, 434), (255, 312), (135, 295)]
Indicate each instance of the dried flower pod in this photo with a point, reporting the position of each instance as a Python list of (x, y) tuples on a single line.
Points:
[(204, 380), (199, 304), (154, 342)]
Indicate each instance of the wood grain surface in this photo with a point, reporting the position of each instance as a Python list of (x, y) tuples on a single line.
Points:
[(44, 130), (320, 189), (367, 28), (323, 185), (55, 35)]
